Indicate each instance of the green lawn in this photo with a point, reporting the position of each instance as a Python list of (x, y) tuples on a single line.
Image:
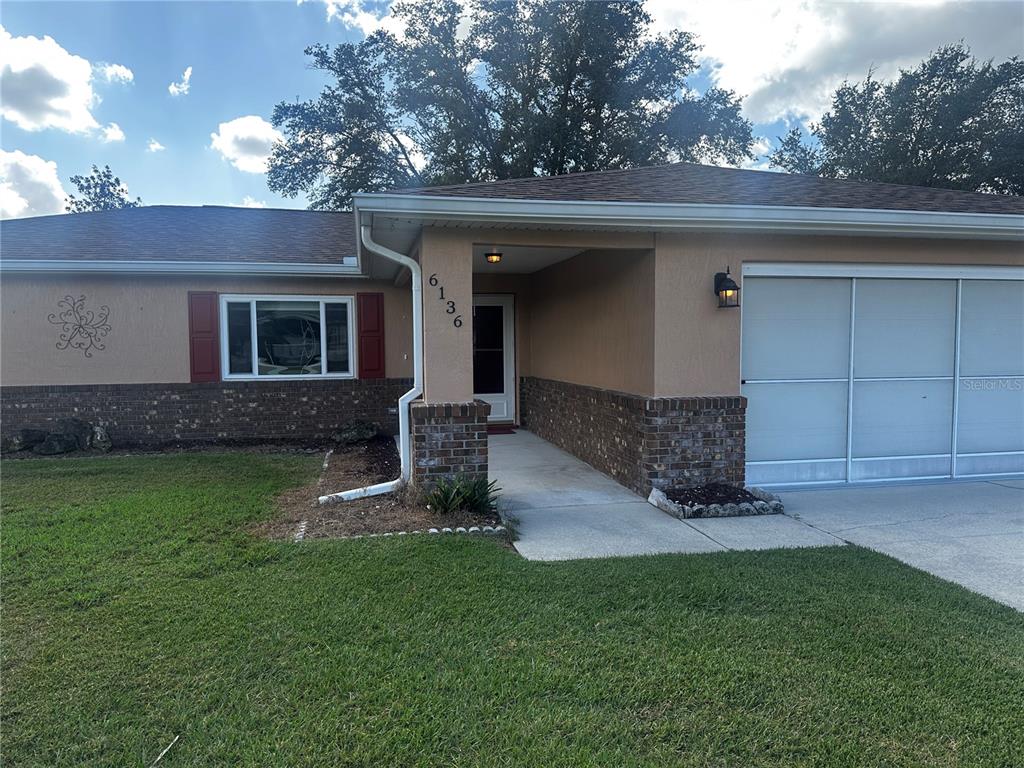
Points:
[(136, 609)]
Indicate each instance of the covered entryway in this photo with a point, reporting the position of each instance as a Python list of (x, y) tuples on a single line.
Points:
[(856, 373)]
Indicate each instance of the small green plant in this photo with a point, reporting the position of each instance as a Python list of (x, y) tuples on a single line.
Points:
[(464, 494)]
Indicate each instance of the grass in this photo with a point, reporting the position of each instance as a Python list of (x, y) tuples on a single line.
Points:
[(137, 609)]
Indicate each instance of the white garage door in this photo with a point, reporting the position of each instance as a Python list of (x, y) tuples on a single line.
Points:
[(878, 377)]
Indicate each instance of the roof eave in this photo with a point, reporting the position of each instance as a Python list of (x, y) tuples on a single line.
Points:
[(676, 216), (154, 267)]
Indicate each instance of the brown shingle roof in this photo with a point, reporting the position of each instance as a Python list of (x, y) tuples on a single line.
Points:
[(690, 183), (184, 233)]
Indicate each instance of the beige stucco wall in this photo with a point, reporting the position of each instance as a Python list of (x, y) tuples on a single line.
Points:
[(447, 348), (592, 321), (148, 341), (697, 345)]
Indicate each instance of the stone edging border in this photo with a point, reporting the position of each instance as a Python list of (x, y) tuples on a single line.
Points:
[(767, 504), (487, 530)]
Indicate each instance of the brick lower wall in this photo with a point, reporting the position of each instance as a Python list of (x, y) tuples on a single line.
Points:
[(642, 442), (220, 412), (448, 439)]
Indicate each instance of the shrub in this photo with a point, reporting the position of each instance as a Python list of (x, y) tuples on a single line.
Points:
[(464, 494)]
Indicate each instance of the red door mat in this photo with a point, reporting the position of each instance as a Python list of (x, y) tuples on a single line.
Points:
[(501, 429)]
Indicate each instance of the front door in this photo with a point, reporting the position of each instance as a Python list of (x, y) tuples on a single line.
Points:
[(494, 366)]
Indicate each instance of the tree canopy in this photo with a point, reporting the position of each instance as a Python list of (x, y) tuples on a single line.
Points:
[(501, 89), (100, 191), (950, 122)]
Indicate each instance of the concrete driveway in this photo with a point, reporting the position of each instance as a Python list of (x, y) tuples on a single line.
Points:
[(971, 533)]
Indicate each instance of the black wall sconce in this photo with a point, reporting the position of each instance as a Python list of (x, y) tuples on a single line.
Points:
[(726, 290)]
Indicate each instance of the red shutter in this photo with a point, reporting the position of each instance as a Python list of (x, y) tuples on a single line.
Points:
[(370, 309), (203, 336)]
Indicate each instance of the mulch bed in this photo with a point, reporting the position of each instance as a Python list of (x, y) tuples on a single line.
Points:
[(355, 466), (712, 493)]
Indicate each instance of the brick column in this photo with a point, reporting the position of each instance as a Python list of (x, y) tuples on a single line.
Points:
[(693, 440), (448, 439)]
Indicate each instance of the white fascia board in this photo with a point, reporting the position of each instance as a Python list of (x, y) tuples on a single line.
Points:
[(908, 271), (113, 266), (668, 216)]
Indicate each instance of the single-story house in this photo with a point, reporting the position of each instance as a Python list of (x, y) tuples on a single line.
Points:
[(669, 325)]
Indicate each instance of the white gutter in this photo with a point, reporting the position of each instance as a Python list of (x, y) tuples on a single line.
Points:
[(348, 267), (404, 437), (661, 216)]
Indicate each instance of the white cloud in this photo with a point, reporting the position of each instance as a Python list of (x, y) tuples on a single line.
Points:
[(251, 202), (182, 88), (362, 15), (44, 86), (155, 146), (29, 186), (116, 73), (113, 133), (246, 142), (787, 58)]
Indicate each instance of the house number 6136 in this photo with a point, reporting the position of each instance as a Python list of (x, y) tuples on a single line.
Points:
[(450, 308)]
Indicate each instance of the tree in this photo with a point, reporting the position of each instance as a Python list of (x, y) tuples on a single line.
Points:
[(100, 191), (500, 89), (951, 123)]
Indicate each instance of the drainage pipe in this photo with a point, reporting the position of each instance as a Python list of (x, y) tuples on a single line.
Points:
[(404, 438)]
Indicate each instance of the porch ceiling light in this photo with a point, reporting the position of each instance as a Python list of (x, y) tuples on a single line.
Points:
[(493, 256), (726, 290)]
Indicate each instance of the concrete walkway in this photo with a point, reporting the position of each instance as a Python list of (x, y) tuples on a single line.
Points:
[(969, 533), (566, 510)]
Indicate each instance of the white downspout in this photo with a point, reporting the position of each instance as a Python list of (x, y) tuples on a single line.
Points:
[(404, 438)]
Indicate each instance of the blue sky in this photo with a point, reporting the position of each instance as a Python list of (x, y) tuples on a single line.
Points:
[(784, 57)]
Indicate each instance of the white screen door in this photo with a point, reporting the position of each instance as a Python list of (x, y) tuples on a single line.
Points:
[(494, 354)]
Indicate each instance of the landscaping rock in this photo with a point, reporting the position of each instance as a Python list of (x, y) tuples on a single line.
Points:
[(762, 494), (56, 443), (354, 432), (12, 444), (101, 439), (684, 512)]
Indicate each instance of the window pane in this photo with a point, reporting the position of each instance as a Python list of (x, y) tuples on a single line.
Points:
[(239, 338), (288, 336), (336, 320)]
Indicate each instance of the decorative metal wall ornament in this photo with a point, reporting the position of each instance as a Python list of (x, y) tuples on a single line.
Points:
[(81, 328)]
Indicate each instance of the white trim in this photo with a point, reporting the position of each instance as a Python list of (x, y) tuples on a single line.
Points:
[(348, 266), (954, 434), (892, 271), (251, 299), (507, 302), (850, 380), (775, 218)]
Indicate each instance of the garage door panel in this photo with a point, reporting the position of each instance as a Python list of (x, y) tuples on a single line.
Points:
[(904, 328), (796, 328), (787, 422), (907, 467), (991, 415), (992, 328), (902, 418)]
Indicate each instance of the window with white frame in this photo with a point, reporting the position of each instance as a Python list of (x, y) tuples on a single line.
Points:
[(287, 336)]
